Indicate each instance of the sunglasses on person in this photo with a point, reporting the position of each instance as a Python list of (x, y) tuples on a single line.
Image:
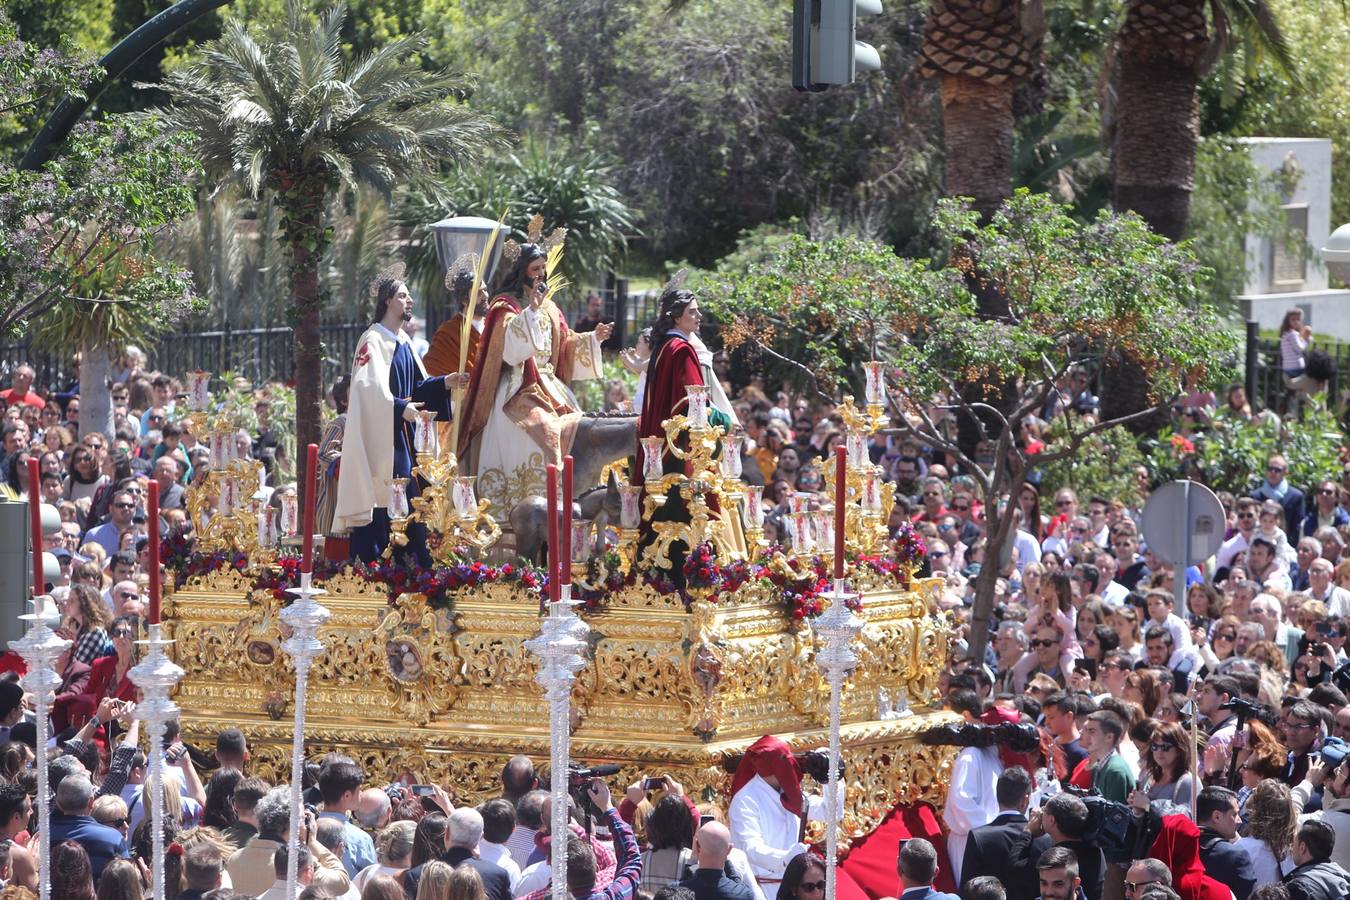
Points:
[(123, 632), (124, 505), (1246, 515), (1159, 748), (960, 507), (1133, 887), (1276, 469), (1042, 642)]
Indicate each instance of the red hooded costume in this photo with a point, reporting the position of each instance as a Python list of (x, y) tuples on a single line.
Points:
[(1178, 847), (770, 756)]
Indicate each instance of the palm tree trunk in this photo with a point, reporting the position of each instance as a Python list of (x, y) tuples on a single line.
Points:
[(304, 231), (1157, 131), (977, 124), (96, 408)]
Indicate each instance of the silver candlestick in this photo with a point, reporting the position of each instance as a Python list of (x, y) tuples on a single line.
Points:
[(40, 647), (156, 676), (837, 627), (560, 646), (305, 616)]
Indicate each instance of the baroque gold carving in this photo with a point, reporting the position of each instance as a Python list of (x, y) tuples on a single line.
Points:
[(663, 690)]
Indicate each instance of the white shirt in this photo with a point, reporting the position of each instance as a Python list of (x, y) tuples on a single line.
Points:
[(535, 877), (767, 832), (500, 854), (1268, 869), (1115, 593), (1027, 548), (1337, 600), (971, 799)]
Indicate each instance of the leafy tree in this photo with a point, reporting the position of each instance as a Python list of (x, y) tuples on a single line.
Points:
[(572, 187), (1072, 291), (288, 113), (73, 235)]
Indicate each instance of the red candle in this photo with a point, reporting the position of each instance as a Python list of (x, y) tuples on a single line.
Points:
[(840, 491), (35, 520), (311, 498), (565, 555), (152, 520), (552, 488)]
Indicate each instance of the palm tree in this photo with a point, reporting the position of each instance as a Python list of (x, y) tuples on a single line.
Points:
[(288, 113), (1164, 47), (980, 50)]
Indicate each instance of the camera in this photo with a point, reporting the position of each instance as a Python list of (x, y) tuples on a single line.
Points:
[(579, 776), (1244, 708)]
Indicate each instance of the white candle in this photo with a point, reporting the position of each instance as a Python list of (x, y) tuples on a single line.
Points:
[(856, 442), (227, 496), (424, 435), (876, 382), (698, 404), (290, 514), (398, 498), (466, 503), (754, 506), (199, 390), (798, 502), (630, 506), (871, 492), (266, 528), (652, 451), (731, 455), (582, 537), (824, 528)]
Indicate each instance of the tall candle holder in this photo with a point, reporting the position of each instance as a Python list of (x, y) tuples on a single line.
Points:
[(446, 501), (836, 627), (155, 676), (40, 646), (304, 617), (702, 478), (232, 482), (560, 647)]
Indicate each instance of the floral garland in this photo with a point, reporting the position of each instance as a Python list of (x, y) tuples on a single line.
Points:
[(438, 583), (800, 582)]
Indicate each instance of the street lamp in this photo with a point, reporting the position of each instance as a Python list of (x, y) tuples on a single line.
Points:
[(1336, 253), (458, 235)]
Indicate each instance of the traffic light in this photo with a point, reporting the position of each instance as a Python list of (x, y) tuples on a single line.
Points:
[(825, 48)]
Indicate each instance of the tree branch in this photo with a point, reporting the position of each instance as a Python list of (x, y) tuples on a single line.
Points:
[(792, 363)]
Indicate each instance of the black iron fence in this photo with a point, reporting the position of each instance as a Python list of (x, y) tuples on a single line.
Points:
[(258, 354), (1265, 379)]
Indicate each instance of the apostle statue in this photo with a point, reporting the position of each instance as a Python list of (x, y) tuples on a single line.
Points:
[(388, 387), (444, 355), (519, 412)]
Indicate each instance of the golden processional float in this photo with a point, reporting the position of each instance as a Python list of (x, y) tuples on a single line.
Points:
[(434, 673)]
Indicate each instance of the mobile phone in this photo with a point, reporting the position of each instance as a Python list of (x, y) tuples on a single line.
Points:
[(705, 819), (653, 784), (423, 790)]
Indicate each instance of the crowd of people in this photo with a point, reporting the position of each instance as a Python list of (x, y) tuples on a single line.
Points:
[(1218, 727), (226, 829)]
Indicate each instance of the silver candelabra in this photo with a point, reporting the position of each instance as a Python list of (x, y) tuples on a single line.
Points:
[(305, 616), (156, 676), (560, 646), (39, 647), (837, 627)]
